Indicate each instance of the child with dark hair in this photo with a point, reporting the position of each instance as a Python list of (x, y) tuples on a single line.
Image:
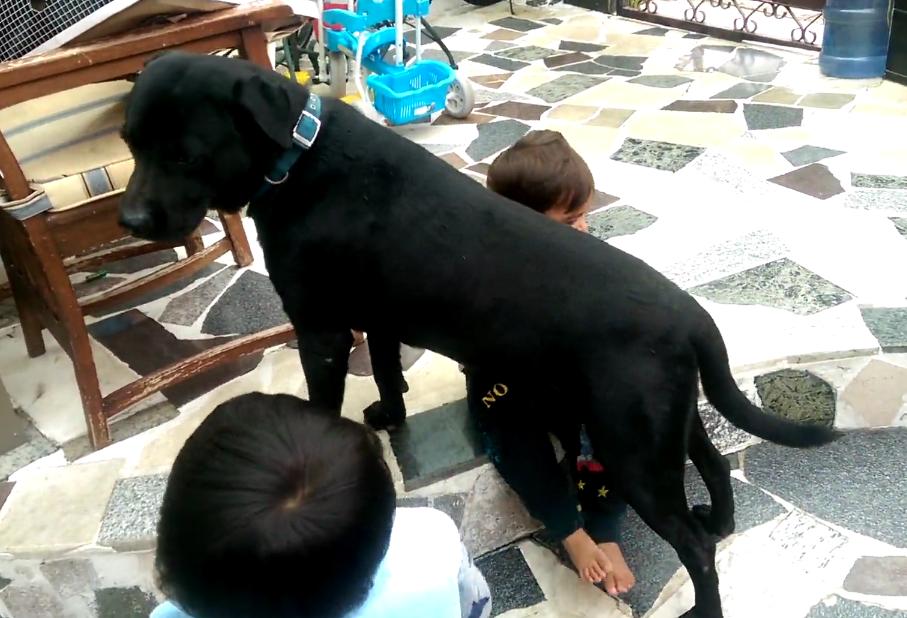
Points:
[(575, 504), (276, 509)]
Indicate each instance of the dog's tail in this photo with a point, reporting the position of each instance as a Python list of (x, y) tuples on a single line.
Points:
[(722, 391)]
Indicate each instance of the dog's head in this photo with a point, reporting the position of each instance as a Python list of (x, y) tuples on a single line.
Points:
[(203, 131)]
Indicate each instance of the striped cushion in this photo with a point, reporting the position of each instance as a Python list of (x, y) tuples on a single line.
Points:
[(68, 143)]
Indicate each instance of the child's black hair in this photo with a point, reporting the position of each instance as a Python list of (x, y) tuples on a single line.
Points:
[(274, 508)]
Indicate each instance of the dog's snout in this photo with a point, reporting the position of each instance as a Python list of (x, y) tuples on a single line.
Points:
[(135, 220)]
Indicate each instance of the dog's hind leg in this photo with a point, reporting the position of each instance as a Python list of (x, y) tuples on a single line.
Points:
[(640, 436), (325, 358), (389, 411), (715, 470)]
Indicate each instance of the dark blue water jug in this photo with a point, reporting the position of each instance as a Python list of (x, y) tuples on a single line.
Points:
[(855, 43)]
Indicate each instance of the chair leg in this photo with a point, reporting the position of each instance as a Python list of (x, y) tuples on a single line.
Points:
[(49, 285), (194, 243), (239, 242), (23, 296)]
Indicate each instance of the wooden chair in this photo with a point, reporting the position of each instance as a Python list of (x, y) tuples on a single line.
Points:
[(62, 178)]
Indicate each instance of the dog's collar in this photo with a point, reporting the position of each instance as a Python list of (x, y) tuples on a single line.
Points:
[(304, 134)]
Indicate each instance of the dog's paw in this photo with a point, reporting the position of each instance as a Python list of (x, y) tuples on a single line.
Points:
[(378, 416), (703, 512)]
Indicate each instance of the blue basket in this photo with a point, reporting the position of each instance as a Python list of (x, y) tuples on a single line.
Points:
[(412, 93)]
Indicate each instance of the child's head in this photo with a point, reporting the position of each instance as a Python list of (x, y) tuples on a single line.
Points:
[(543, 172), (274, 508)]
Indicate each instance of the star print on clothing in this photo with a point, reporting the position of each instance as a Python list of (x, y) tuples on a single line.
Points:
[(581, 485), (602, 492)]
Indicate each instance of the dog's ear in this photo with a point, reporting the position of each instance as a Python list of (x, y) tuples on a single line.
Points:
[(268, 100)]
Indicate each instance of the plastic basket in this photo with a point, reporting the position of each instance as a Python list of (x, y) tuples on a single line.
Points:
[(413, 93)]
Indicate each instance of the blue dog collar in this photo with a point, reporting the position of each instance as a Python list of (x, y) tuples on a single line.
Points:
[(304, 134)]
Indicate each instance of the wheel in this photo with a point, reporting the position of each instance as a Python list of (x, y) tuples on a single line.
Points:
[(337, 71), (481, 2), (460, 99)]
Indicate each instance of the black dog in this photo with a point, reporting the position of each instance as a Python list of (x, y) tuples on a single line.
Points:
[(369, 231)]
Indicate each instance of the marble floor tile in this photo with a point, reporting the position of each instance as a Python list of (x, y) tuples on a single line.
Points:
[(511, 581), (870, 181), (631, 63), (564, 87), (715, 107), (900, 225), (454, 160), (516, 23), (157, 411), (165, 291), (733, 256), (826, 100), (797, 395), (248, 306), (139, 263), (779, 95), (360, 363), (806, 155), (437, 444), (654, 31), (888, 325), (878, 576), (473, 119), (480, 168), (661, 81), (825, 481), (760, 116), (530, 53), (131, 602), (517, 110), (575, 113), (494, 137), (50, 510), (753, 64), (33, 447), (9, 315), (560, 60), (580, 46), (815, 180), (877, 394), (782, 284), (443, 32), (495, 80), (704, 130), (499, 45), (724, 435), (497, 62), (130, 521), (658, 155), (611, 118), (586, 68), (846, 608), (618, 221), (889, 201), (502, 34), (186, 308), (145, 346), (494, 516)]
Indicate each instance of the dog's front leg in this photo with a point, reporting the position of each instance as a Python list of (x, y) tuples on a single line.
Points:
[(389, 411), (325, 357)]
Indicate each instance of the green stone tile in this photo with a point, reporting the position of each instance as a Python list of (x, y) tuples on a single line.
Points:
[(874, 181), (618, 221), (781, 284), (663, 156), (797, 395), (564, 87), (530, 53), (888, 325)]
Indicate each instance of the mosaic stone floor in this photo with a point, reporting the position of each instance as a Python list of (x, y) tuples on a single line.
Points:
[(775, 196)]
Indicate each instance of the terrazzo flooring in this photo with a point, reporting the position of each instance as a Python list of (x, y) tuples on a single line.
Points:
[(775, 196)]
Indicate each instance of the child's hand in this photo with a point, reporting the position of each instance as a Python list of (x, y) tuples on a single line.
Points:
[(590, 561)]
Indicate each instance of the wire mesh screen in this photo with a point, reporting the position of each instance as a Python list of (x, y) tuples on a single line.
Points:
[(24, 27)]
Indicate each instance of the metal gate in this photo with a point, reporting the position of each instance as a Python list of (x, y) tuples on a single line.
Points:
[(797, 23)]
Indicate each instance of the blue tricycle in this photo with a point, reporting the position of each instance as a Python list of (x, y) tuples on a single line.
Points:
[(400, 85)]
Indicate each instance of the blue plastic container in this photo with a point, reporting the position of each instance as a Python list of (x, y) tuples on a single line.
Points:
[(855, 43), (412, 93)]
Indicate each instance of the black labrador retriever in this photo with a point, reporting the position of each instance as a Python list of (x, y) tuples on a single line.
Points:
[(367, 230)]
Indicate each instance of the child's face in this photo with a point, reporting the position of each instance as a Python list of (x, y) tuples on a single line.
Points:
[(575, 218)]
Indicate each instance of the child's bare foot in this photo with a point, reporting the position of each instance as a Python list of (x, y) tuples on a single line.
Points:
[(620, 578), (591, 562)]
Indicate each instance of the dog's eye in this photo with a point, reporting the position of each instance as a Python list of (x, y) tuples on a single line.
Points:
[(186, 160)]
